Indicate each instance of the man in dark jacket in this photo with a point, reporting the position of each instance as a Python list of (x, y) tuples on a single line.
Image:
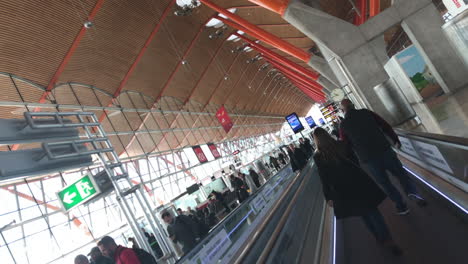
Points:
[(366, 132), (297, 157), (181, 229), (239, 187)]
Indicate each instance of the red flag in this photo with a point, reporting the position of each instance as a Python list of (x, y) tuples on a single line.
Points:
[(200, 154), (214, 150), (224, 119)]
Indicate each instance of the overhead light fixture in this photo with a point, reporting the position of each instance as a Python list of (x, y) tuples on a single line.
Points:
[(186, 7), (232, 37), (232, 10), (88, 24), (218, 33), (214, 23)]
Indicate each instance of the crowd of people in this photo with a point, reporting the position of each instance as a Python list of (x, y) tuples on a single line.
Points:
[(363, 139), (108, 252)]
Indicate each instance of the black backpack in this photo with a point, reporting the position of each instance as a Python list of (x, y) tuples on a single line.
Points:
[(144, 257)]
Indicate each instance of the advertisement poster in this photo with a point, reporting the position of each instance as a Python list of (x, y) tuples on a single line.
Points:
[(224, 119), (200, 154), (214, 150), (417, 70), (294, 122)]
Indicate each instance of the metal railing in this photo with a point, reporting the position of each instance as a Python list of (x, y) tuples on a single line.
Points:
[(95, 137)]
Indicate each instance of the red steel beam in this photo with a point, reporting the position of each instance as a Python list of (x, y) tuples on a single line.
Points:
[(277, 6), (70, 52), (374, 7), (267, 51), (362, 6), (296, 76), (264, 35), (138, 57)]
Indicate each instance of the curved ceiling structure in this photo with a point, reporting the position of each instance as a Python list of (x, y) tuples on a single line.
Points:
[(150, 55)]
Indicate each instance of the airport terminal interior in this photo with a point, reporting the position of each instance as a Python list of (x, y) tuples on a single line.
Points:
[(196, 131)]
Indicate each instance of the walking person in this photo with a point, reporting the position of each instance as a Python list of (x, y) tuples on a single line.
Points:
[(239, 187), (297, 157), (220, 198), (281, 158), (306, 147), (348, 189), (367, 134), (255, 177), (274, 163)]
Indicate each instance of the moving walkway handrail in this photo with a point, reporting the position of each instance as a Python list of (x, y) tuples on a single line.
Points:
[(253, 239), (445, 156), (282, 221), (457, 142), (278, 177)]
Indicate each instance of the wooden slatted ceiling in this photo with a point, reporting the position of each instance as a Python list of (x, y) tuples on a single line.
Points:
[(36, 35)]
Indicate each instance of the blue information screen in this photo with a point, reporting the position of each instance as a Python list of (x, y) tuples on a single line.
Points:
[(293, 121), (321, 121), (310, 122)]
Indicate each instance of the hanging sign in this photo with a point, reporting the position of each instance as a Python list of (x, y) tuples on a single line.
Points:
[(200, 154), (224, 119), (77, 193), (214, 150)]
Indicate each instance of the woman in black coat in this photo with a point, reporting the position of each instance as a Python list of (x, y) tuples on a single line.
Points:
[(348, 188)]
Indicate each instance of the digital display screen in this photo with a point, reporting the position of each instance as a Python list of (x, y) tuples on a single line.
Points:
[(321, 121), (293, 121), (310, 122)]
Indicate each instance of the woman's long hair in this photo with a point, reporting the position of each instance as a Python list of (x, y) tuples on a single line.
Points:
[(330, 150)]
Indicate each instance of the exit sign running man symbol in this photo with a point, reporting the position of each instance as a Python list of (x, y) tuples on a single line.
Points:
[(78, 192)]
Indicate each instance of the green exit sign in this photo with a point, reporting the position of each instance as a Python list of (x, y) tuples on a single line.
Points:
[(78, 192)]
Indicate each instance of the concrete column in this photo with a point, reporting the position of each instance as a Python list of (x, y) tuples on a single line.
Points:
[(356, 63), (321, 65), (424, 28), (456, 31)]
